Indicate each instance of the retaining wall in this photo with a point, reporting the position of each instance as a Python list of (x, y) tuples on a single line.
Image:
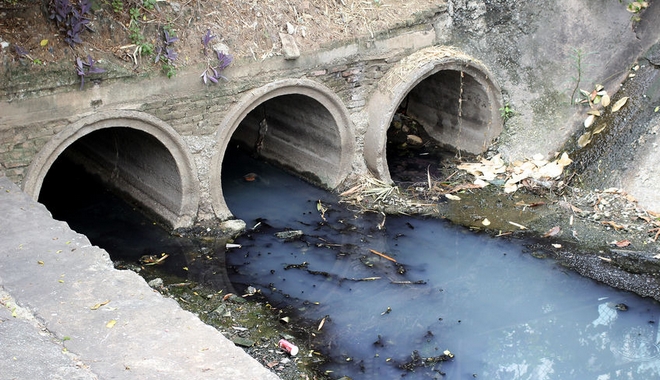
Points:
[(327, 112)]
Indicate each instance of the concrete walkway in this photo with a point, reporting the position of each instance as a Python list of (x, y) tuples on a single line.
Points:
[(52, 281)]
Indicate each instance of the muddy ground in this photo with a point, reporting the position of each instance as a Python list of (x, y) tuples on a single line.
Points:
[(249, 29)]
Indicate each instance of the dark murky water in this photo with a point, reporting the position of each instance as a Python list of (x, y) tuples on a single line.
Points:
[(503, 313)]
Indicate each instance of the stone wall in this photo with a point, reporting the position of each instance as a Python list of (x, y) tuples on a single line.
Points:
[(525, 48)]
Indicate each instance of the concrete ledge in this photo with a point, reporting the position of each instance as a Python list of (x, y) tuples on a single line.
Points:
[(62, 276)]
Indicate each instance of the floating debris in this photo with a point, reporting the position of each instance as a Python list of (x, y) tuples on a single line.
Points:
[(382, 255), (289, 235), (250, 177)]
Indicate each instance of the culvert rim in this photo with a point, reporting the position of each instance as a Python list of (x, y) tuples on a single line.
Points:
[(165, 134), (402, 78), (255, 97)]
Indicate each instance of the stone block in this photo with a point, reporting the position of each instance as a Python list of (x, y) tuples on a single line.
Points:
[(289, 47)]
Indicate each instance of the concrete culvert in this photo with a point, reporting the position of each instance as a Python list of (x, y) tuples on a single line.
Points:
[(450, 94), (295, 131), (140, 158), (298, 124)]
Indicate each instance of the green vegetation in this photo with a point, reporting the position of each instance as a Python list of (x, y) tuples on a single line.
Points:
[(507, 112), (118, 6), (579, 62), (635, 7)]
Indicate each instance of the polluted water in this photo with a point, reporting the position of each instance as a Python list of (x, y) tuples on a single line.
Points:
[(419, 298), (423, 299)]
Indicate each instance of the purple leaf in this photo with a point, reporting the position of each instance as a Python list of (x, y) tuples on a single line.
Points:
[(225, 60), (80, 67), (158, 54), (170, 40), (170, 54), (85, 6), (207, 38), (20, 51)]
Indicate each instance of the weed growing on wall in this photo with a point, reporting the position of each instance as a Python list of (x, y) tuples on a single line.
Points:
[(166, 54), (577, 55), (85, 68), (507, 112), (214, 73)]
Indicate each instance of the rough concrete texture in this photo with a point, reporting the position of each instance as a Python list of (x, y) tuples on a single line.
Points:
[(79, 318)]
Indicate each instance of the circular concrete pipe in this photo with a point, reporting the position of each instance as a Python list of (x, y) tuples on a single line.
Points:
[(452, 95), (134, 152), (298, 123)]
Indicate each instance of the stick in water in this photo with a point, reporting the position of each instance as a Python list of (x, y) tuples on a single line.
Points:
[(382, 255)]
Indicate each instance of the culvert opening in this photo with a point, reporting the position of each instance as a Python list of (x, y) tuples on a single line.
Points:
[(295, 132), (131, 165), (443, 116), (79, 190), (437, 101)]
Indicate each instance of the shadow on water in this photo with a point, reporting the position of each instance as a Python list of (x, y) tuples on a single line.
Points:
[(131, 237), (502, 313)]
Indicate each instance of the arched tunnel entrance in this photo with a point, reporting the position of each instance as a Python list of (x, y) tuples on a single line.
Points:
[(437, 99), (299, 125), (134, 154)]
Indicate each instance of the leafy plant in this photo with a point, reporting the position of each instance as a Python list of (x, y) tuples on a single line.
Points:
[(117, 6), (579, 58), (206, 39), (507, 112), (637, 6), (213, 73), (85, 68), (166, 54), (149, 4), (71, 19), (22, 53), (134, 13)]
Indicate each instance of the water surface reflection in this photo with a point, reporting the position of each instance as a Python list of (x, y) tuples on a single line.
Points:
[(503, 313)]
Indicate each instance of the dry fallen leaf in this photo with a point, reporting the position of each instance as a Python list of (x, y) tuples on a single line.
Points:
[(564, 160), (111, 324), (553, 231), (510, 187), (98, 305), (613, 225), (619, 103), (584, 140), (622, 243), (589, 121), (605, 101), (599, 128), (453, 197)]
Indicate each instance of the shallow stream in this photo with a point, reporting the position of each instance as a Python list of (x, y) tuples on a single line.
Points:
[(501, 312), (439, 290)]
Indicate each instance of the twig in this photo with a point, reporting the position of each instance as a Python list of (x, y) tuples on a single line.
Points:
[(382, 255)]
